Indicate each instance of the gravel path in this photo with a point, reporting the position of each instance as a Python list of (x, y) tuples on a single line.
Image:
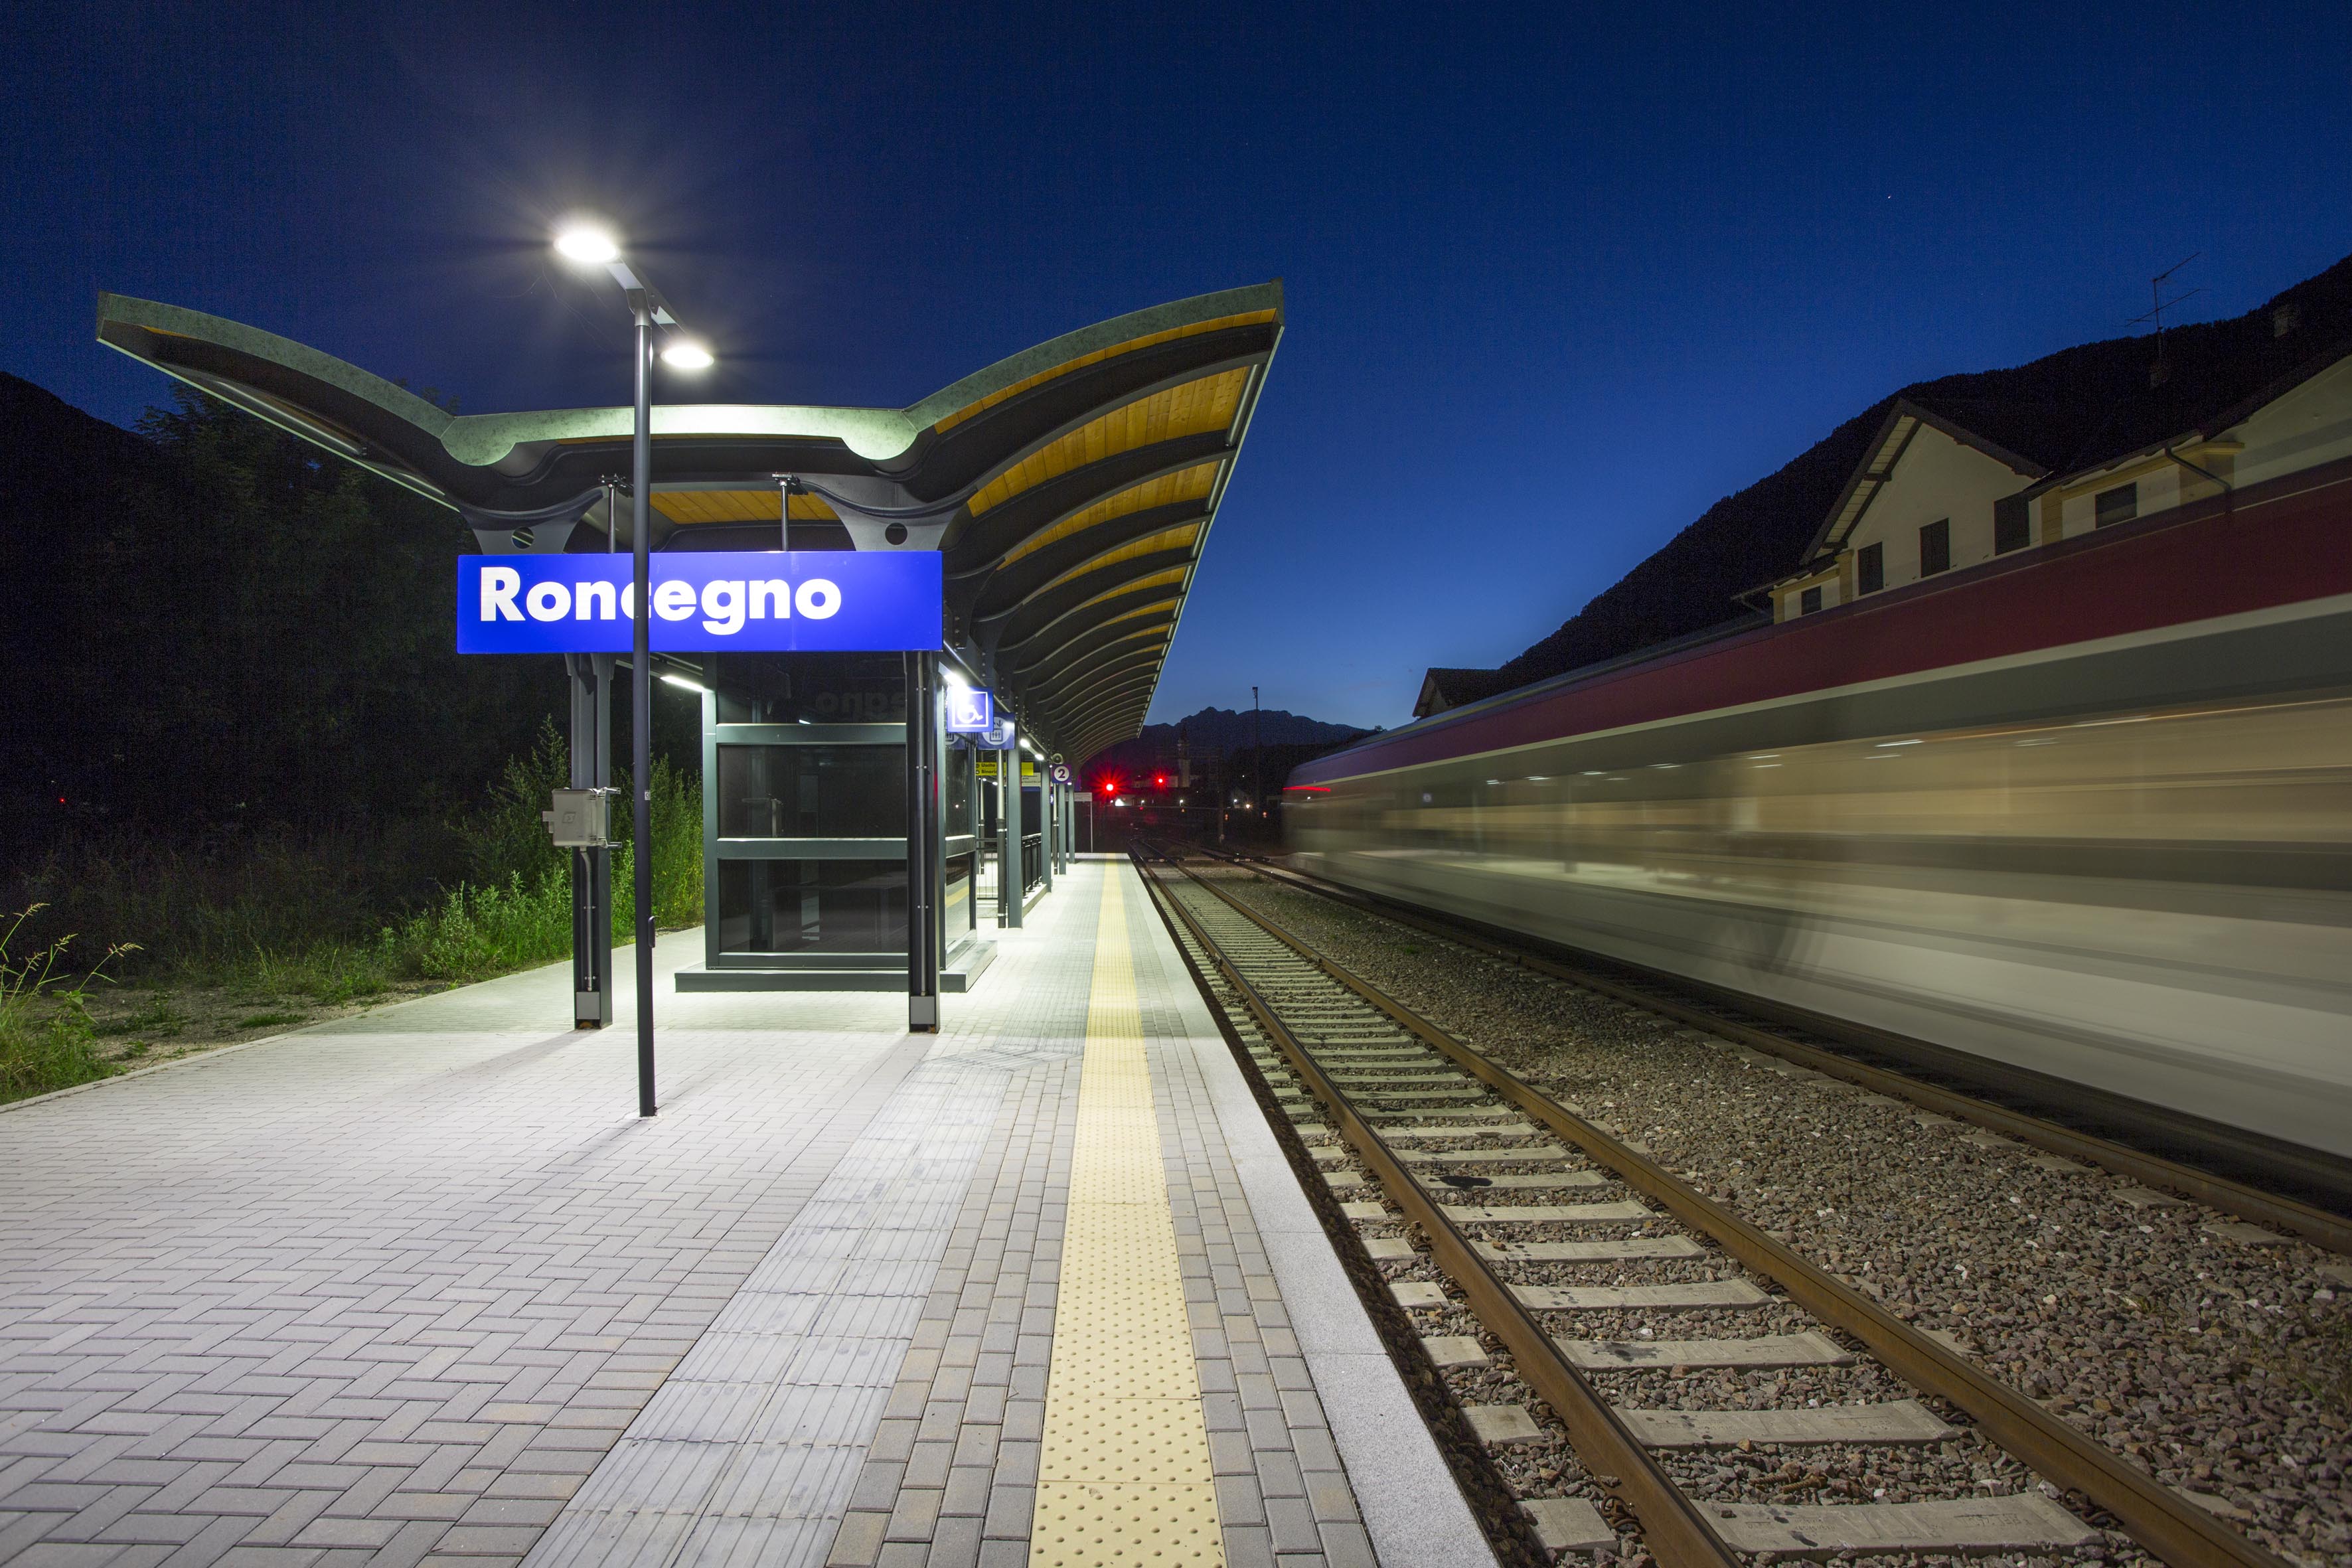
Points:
[(2224, 1367)]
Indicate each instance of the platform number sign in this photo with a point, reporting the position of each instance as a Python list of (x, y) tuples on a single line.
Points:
[(970, 712), (1061, 773)]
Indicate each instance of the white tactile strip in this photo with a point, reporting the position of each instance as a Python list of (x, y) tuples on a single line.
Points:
[(758, 1434)]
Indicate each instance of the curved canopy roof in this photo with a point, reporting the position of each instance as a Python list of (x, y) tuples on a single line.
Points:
[(1071, 487)]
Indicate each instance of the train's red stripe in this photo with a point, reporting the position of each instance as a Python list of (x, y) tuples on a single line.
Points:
[(2282, 543)]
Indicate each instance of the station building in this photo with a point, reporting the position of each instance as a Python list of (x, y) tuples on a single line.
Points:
[(1069, 489), (1951, 485)]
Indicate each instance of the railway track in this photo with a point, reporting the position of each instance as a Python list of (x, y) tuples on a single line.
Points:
[(1521, 1201), (1809, 1044)]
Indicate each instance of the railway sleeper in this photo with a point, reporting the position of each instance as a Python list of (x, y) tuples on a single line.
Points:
[(2025, 1521)]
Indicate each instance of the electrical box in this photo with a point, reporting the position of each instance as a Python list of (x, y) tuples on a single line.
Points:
[(581, 818)]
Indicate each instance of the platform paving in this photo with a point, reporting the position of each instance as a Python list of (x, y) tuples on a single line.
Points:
[(419, 1287)]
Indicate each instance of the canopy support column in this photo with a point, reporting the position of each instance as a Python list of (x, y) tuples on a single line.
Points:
[(590, 682), (923, 846), (1009, 882), (1046, 828)]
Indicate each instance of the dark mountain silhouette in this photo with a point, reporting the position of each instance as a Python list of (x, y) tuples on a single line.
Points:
[(2072, 409), (209, 624), (1217, 732), (65, 477), (1224, 729)]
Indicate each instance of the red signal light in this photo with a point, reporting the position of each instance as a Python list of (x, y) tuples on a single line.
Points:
[(1159, 781)]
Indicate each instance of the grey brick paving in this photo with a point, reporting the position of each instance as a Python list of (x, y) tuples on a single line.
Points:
[(991, 1309), (418, 1288), (393, 1286)]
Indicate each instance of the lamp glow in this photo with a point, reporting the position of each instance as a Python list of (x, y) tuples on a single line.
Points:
[(690, 685), (687, 354), (588, 244)]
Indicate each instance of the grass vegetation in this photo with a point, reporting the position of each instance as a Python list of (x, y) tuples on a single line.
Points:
[(46, 1040), (235, 933)]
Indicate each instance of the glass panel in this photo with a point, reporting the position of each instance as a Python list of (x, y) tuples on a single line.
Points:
[(956, 792), (811, 791), (2120, 504), (812, 906), (956, 901), (822, 688)]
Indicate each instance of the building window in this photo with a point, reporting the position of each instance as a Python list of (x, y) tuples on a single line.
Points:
[(1870, 568), (1808, 602), (1935, 548), (2120, 504), (2010, 529)]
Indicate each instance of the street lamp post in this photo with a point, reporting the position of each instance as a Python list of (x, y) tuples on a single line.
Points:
[(591, 246)]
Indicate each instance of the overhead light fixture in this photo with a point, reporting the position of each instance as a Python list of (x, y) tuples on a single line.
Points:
[(682, 680), (588, 243), (685, 354)]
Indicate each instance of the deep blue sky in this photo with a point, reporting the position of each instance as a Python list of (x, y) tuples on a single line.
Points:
[(1559, 278)]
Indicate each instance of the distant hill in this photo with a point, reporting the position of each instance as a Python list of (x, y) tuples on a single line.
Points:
[(2067, 410), (64, 480), (1217, 732), (57, 463), (1226, 729), (210, 626)]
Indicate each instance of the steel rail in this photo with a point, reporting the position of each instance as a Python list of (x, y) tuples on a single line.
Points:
[(1675, 1529), (2314, 1225), (2166, 1523)]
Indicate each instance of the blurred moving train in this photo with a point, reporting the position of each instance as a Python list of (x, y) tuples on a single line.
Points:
[(2086, 811)]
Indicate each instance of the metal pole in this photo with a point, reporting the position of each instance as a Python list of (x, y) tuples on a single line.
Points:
[(922, 843), (641, 691), (1009, 879), (1046, 848)]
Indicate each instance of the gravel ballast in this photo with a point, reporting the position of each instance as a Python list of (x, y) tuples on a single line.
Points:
[(2223, 1365)]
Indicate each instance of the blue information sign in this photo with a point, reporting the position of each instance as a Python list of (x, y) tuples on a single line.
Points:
[(970, 712), (834, 601)]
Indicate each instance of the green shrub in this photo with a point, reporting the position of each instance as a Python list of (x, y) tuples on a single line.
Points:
[(46, 1038), (340, 918), (676, 820), (473, 933), (508, 837)]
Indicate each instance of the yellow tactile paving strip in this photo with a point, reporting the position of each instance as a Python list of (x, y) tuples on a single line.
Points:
[(1124, 1473)]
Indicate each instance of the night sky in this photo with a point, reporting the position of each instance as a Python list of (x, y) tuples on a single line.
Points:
[(1558, 278)]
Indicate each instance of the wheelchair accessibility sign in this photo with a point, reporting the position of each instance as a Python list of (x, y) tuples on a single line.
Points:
[(970, 712)]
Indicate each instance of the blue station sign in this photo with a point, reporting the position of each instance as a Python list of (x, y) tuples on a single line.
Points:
[(777, 601)]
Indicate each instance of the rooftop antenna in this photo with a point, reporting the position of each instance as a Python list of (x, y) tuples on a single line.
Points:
[(2159, 372)]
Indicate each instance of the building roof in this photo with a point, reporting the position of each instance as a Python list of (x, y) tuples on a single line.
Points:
[(1071, 487), (1442, 688), (1905, 418), (2081, 408)]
